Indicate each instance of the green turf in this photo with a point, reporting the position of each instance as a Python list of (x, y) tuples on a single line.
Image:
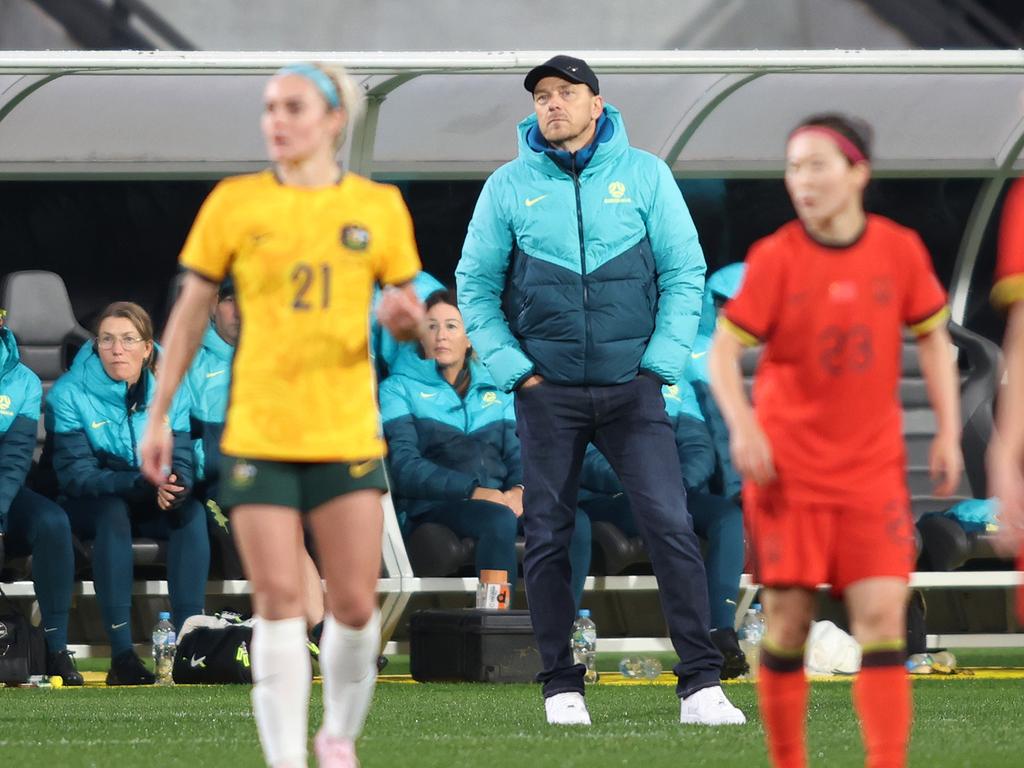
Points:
[(957, 723), (607, 662)]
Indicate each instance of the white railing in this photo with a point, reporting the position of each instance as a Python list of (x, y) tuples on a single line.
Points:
[(397, 591)]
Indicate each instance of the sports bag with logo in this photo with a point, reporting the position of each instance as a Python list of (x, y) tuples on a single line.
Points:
[(214, 649), (22, 646)]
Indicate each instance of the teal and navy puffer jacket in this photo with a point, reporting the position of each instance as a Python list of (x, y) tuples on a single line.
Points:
[(96, 424), (441, 446), (585, 278), (20, 397), (721, 286), (209, 383), (693, 443)]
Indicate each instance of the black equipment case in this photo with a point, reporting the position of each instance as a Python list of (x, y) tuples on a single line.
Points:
[(473, 645)]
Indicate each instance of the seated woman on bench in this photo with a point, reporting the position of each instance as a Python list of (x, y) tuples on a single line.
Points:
[(453, 450), (96, 414)]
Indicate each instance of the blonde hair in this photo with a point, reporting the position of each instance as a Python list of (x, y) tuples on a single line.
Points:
[(351, 95)]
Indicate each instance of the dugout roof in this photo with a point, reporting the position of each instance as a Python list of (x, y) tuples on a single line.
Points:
[(452, 115)]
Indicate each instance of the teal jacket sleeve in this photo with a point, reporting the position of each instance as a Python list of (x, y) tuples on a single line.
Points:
[(183, 459), (679, 261), (726, 480), (696, 453), (413, 475), (17, 445), (693, 440), (480, 280)]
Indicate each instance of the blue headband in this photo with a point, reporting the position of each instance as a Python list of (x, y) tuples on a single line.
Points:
[(317, 77)]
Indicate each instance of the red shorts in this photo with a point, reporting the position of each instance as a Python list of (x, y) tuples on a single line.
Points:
[(804, 544)]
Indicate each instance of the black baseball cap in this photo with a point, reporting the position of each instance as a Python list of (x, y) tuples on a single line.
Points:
[(227, 289), (566, 67)]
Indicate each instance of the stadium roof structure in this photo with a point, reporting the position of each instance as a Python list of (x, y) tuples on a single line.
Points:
[(721, 114)]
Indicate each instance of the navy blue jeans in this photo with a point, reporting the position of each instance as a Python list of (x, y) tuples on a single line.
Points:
[(628, 424)]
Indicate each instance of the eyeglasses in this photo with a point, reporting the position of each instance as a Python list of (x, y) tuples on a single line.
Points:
[(107, 341)]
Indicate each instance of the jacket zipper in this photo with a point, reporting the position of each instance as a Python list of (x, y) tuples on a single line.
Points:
[(583, 265), (462, 404), (131, 434)]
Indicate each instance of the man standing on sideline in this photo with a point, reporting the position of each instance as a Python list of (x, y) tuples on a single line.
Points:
[(580, 284)]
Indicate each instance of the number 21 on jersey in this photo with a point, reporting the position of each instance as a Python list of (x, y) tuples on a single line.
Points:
[(312, 286)]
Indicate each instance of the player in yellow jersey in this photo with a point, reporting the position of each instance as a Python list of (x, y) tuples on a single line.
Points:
[(305, 244)]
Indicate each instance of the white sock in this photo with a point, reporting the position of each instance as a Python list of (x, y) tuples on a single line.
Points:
[(281, 673), (348, 663)]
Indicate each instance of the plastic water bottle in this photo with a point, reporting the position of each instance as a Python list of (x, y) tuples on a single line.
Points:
[(584, 644), (751, 634), (631, 667), (637, 668), (651, 668), (165, 643)]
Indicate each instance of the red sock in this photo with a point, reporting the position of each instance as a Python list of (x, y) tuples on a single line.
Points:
[(782, 694), (881, 696)]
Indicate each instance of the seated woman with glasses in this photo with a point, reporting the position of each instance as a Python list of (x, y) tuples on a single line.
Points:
[(95, 416), (452, 445)]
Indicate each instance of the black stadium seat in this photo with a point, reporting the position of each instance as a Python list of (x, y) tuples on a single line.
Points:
[(435, 550), (40, 314)]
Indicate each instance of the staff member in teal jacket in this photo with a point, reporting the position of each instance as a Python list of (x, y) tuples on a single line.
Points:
[(580, 281), (31, 523), (720, 287), (453, 452), (718, 521), (209, 385), (96, 413)]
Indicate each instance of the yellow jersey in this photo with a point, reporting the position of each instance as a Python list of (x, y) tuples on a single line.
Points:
[(304, 263)]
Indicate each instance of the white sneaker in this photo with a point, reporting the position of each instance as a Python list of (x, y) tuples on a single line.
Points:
[(708, 706), (567, 709)]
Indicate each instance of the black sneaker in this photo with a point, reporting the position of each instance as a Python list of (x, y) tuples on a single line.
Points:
[(63, 663), (734, 661), (382, 661), (127, 669)]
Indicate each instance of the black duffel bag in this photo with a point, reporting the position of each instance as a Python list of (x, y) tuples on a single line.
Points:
[(214, 652), (22, 646)]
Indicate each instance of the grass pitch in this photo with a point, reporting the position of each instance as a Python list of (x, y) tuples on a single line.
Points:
[(959, 721)]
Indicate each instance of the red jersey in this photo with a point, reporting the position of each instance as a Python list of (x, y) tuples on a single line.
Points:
[(826, 391), (1009, 288), (1009, 282)]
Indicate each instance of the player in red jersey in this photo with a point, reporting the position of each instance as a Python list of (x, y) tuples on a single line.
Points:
[(1006, 451), (821, 453)]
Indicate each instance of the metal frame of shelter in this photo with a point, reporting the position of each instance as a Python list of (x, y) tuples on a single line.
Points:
[(746, 86)]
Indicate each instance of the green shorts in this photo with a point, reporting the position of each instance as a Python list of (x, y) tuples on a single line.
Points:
[(301, 485)]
